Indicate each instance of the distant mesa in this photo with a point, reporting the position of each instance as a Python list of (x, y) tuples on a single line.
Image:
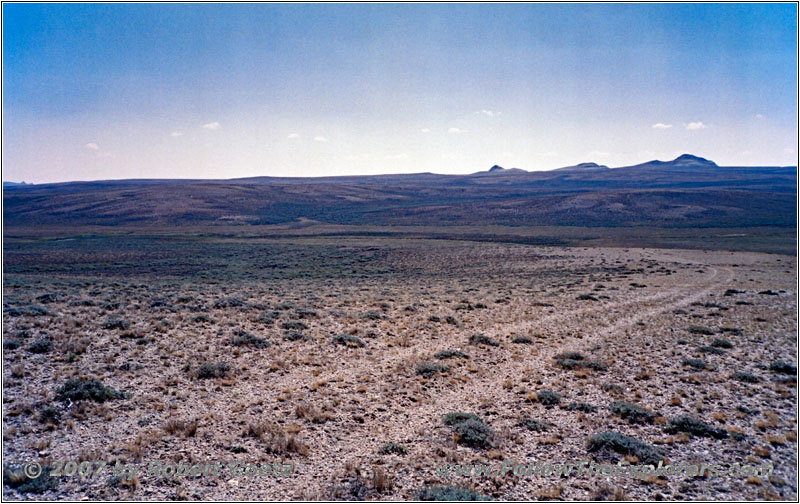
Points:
[(496, 168)]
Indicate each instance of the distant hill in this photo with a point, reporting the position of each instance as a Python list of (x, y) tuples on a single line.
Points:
[(688, 191), (583, 167), (682, 161), (499, 170), (14, 184)]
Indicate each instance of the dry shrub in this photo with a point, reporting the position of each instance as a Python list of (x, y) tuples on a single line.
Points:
[(276, 439)]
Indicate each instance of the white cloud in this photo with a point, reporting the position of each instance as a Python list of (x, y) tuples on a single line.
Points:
[(176, 134), (547, 154), (293, 135), (759, 116), (746, 153), (456, 130), (597, 154), (426, 130), (212, 126), (489, 113), (320, 139), (357, 157), (661, 126), (92, 146), (103, 154), (402, 155), (788, 150), (696, 126)]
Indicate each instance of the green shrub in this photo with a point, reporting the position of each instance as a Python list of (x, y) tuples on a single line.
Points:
[(575, 356), (228, 302), (265, 319), (296, 336), (49, 297), (568, 363), (116, 323), (534, 425), (392, 449), (744, 409), (586, 297), (710, 350), (15, 477), (783, 368), (202, 319), (701, 330), (110, 305), (474, 433), (458, 417), (448, 493), (77, 389), (304, 313), (746, 377), (597, 366), (695, 363), (522, 339), (548, 398), (348, 340), (212, 370), (50, 415), (581, 364), (297, 326), (482, 339), (427, 370), (581, 406), (35, 310), (633, 413), (12, 344), (695, 427), (622, 444), (721, 343), (449, 354), (32, 310), (247, 339), (470, 429), (43, 345)]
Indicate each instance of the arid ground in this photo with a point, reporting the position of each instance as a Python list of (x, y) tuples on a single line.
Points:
[(344, 356)]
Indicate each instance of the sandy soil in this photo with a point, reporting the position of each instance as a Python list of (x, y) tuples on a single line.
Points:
[(329, 408)]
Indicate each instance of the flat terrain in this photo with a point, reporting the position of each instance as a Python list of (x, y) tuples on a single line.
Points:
[(323, 351)]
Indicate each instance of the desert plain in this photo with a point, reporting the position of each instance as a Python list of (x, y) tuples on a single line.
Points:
[(346, 358)]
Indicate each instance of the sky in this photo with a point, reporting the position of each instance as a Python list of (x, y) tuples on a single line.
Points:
[(111, 91)]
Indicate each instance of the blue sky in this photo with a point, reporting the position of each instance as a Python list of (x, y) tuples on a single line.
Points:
[(217, 91)]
